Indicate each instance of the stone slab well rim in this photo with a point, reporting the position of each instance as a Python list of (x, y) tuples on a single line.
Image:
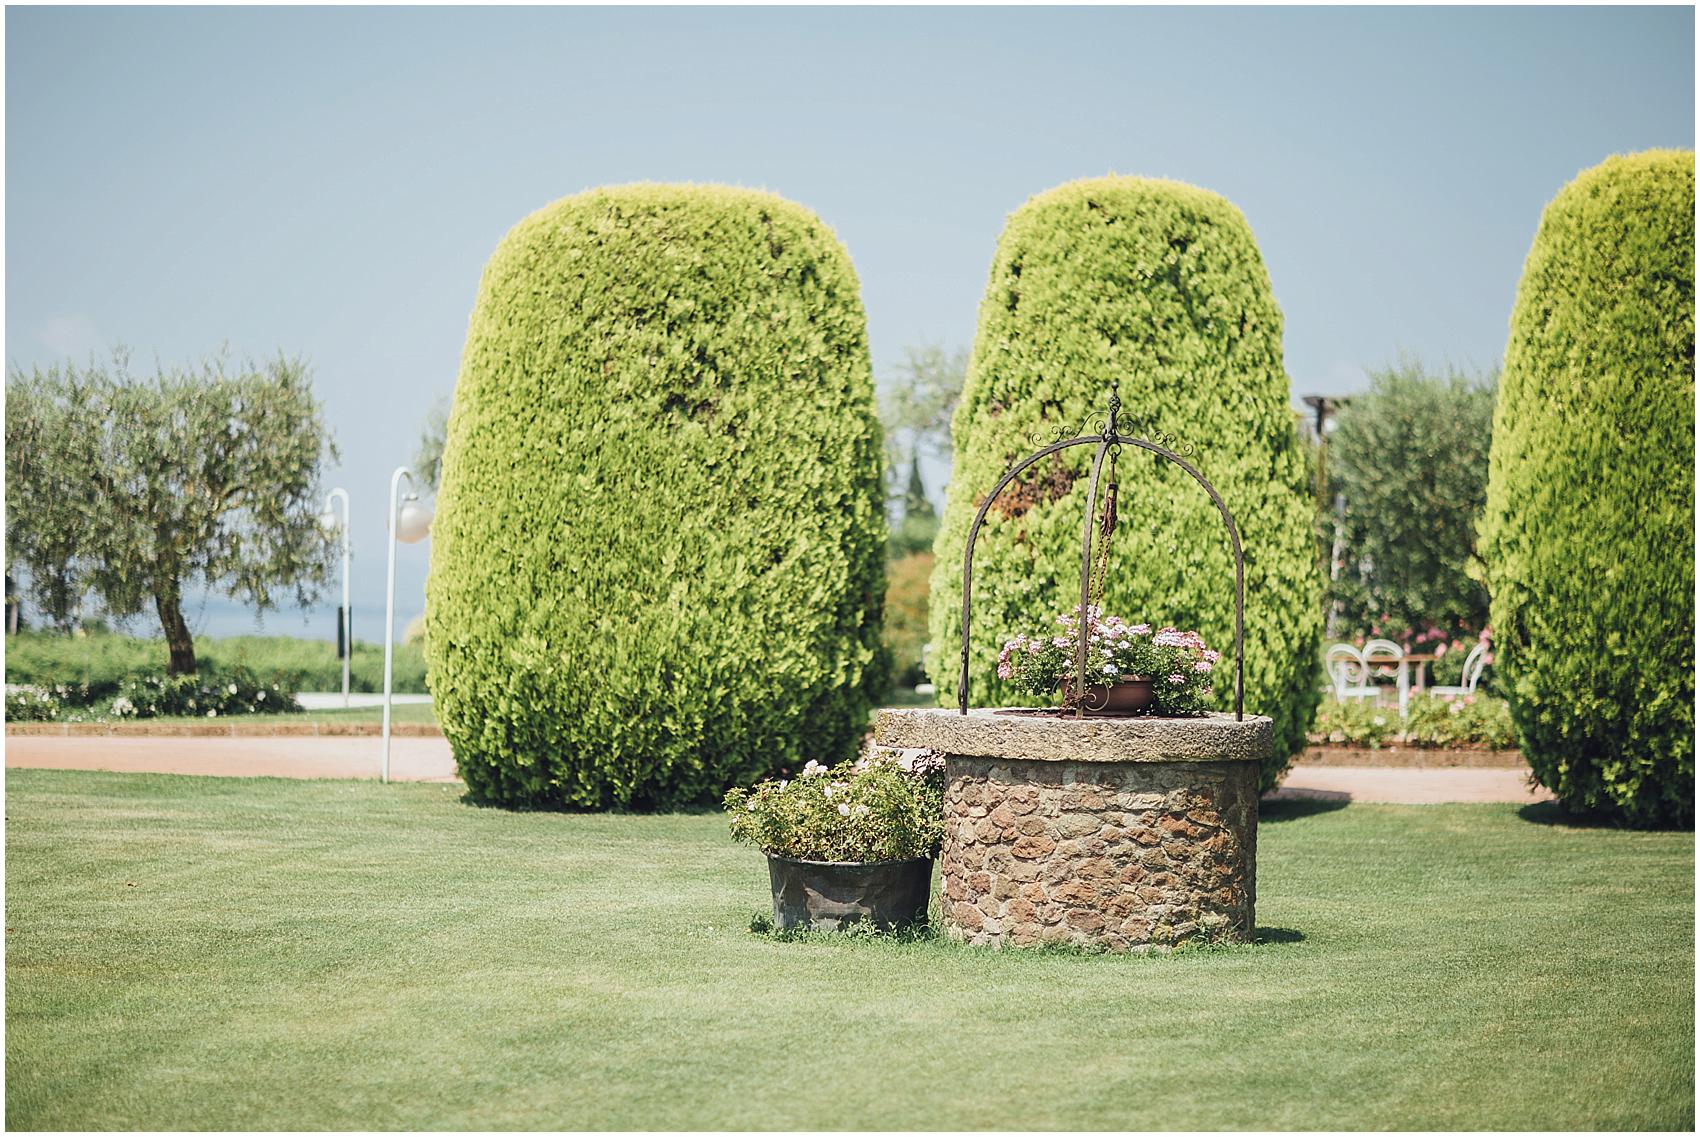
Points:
[(992, 732)]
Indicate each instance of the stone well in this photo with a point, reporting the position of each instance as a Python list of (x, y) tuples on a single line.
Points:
[(1123, 833)]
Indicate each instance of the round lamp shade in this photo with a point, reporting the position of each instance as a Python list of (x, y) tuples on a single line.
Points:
[(412, 522)]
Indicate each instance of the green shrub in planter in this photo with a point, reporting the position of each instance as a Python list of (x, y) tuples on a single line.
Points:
[(882, 807), (1160, 286), (657, 565), (1588, 534)]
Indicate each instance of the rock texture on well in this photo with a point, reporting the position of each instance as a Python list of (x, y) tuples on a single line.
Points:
[(1145, 838)]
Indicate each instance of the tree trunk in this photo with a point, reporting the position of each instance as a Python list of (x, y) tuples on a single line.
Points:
[(169, 603)]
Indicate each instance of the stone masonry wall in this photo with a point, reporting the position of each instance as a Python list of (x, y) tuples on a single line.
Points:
[(1120, 855)]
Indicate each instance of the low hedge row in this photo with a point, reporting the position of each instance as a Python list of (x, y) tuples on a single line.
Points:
[(1468, 721), (101, 661), (212, 693)]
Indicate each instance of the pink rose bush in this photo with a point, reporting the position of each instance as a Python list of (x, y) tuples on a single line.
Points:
[(1179, 663)]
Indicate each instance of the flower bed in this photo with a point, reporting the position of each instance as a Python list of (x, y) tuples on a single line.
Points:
[(1434, 721), (210, 694)]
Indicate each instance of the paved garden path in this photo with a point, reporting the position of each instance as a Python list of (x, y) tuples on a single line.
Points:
[(429, 760), (411, 759), (1409, 786)]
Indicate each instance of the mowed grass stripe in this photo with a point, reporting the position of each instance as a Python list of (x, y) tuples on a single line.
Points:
[(268, 954)]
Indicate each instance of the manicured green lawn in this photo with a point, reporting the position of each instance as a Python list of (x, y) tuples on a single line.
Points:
[(268, 954)]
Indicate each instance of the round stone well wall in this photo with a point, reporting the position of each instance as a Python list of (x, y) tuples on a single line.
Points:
[(1122, 833)]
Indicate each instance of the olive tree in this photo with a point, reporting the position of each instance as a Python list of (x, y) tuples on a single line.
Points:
[(1410, 461), (131, 490)]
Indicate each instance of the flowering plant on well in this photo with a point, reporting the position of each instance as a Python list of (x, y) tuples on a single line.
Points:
[(1179, 664), (884, 806)]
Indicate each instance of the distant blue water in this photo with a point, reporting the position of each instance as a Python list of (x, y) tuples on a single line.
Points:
[(217, 616)]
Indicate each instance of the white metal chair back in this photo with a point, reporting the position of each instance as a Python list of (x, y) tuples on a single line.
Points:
[(1474, 664), (1383, 651), (1348, 673), (1382, 656)]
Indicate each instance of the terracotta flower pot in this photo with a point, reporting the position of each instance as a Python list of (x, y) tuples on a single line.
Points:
[(1129, 695), (829, 895)]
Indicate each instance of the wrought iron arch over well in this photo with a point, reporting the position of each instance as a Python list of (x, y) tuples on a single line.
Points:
[(1108, 440)]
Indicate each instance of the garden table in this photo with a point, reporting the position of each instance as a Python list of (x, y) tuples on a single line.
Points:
[(1421, 659)]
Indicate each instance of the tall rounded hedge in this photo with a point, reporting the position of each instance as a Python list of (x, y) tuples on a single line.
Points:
[(658, 556), (1158, 285), (1588, 535)]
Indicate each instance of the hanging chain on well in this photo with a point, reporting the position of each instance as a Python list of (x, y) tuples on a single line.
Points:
[(1073, 696), (1106, 527)]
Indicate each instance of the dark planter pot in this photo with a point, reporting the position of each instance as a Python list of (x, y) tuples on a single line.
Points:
[(1129, 696), (828, 895)]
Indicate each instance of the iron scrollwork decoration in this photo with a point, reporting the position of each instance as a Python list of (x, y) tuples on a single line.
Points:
[(1106, 440)]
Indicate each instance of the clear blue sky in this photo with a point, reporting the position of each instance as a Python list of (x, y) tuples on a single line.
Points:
[(330, 181)]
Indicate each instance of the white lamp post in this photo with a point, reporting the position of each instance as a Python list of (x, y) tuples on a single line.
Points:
[(328, 520), (409, 521)]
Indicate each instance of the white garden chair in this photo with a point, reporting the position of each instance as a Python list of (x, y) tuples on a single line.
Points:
[(1474, 664), (1382, 653), (1348, 674)]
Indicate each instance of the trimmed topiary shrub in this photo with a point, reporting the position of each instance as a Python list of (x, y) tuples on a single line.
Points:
[(1158, 285), (1588, 534), (658, 555)]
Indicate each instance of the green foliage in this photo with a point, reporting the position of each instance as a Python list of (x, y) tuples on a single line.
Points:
[(32, 705), (1160, 286), (918, 527), (907, 581), (209, 693), (657, 564), (102, 661), (428, 457), (878, 808), (916, 405), (131, 489), (1410, 459), (1479, 721), (915, 409), (1464, 720), (1588, 535), (1355, 723)]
